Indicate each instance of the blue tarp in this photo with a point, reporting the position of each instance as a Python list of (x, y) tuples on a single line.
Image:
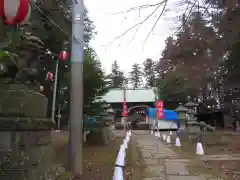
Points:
[(90, 122), (168, 114)]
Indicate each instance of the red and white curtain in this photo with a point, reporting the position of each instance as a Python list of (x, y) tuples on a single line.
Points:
[(160, 109), (125, 109)]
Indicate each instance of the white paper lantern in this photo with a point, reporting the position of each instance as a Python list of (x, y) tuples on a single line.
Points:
[(3, 68), (41, 88)]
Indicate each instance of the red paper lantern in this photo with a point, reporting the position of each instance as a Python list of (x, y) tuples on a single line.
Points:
[(49, 76), (63, 55), (15, 11), (27, 18)]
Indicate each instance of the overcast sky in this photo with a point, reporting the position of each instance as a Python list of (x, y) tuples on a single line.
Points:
[(125, 51)]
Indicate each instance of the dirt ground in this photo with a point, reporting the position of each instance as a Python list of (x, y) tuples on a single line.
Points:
[(230, 169), (134, 166), (223, 144), (215, 145), (98, 162)]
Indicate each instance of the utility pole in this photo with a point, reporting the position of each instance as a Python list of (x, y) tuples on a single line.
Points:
[(55, 92), (125, 109), (76, 98), (155, 125), (59, 116)]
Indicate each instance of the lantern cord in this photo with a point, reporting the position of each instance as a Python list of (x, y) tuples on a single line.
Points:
[(55, 24)]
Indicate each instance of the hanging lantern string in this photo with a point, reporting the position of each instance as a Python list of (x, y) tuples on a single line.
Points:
[(54, 23)]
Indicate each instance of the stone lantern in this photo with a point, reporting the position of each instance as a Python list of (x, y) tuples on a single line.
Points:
[(104, 127), (182, 115), (104, 120), (105, 106), (111, 115), (192, 110), (191, 124)]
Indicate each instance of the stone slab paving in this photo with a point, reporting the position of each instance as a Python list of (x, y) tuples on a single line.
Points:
[(151, 161), (161, 162), (186, 178), (174, 168), (220, 157)]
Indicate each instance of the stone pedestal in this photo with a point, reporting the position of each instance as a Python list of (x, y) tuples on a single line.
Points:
[(26, 152), (26, 155), (192, 127)]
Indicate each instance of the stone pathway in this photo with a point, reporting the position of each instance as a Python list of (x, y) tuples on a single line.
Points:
[(221, 157), (161, 162)]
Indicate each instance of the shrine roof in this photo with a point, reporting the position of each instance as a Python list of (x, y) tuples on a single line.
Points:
[(132, 95)]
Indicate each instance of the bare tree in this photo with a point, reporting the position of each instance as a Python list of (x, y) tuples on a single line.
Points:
[(159, 8)]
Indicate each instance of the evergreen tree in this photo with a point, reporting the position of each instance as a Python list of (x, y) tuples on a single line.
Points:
[(136, 76), (149, 73), (116, 78)]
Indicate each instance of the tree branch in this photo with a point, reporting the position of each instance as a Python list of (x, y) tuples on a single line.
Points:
[(138, 24), (160, 15), (189, 15), (139, 8)]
